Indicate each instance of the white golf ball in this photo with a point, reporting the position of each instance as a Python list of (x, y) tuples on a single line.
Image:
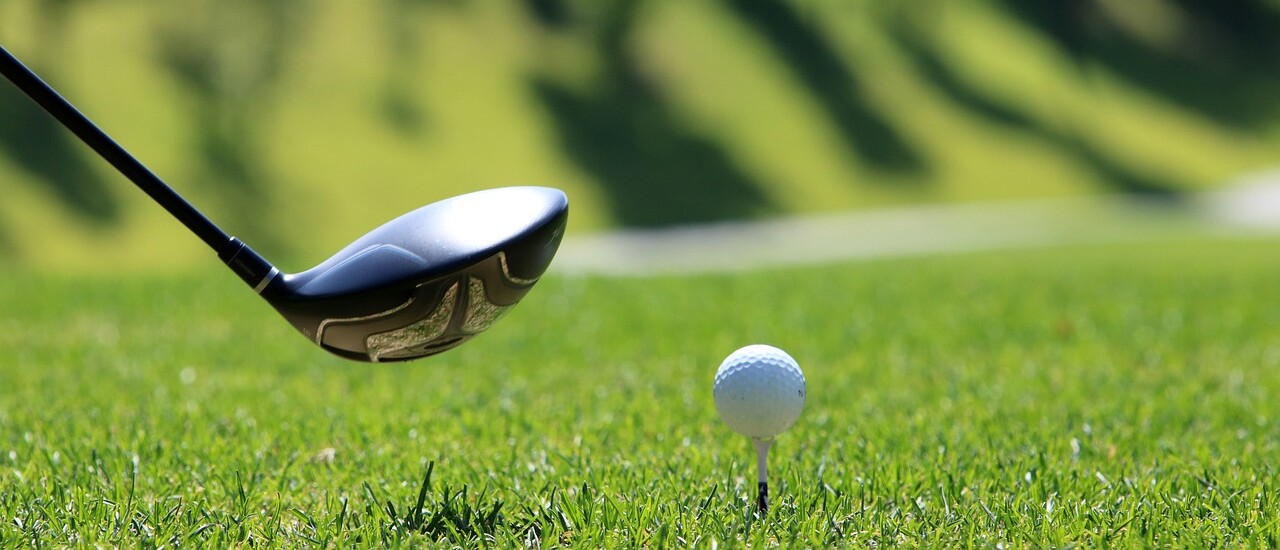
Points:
[(759, 391)]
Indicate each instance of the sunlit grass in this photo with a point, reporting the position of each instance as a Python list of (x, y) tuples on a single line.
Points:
[(338, 166), (1080, 395)]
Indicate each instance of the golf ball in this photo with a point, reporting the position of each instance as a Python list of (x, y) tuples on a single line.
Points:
[(759, 391)]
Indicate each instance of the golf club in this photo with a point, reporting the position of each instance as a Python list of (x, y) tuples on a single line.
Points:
[(418, 285)]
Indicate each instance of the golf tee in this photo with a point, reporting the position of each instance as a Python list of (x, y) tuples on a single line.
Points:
[(762, 473)]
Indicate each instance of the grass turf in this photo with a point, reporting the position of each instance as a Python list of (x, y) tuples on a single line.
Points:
[(1096, 395), (279, 156)]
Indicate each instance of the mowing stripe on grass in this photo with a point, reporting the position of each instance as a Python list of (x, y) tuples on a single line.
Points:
[(1253, 206)]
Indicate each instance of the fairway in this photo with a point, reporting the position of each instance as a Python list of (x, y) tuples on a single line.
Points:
[(1076, 395)]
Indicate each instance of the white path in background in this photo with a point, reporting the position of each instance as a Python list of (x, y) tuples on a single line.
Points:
[(1252, 205)]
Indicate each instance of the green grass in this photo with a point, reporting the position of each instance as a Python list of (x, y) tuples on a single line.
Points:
[(1094, 396), (331, 165)]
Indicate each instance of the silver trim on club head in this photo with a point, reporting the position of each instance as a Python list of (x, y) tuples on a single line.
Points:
[(468, 303), (266, 280), (325, 323), (481, 312), (506, 271), (427, 329)]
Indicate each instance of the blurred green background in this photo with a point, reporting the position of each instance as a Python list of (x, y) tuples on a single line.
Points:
[(299, 124)]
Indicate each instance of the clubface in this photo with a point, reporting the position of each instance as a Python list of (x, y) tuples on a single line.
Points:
[(429, 280)]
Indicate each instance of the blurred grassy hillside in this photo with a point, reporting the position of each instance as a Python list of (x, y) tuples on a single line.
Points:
[(299, 124)]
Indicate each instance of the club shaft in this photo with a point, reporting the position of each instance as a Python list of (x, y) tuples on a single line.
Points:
[(99, 141)]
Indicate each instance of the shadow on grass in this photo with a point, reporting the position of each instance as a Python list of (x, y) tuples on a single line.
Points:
[(1222, 60), (228, 154), (655, 169), (38, 144), (550, 14), (401, 105), (816, 64), (35, 142), (924, 56), (229, 59)]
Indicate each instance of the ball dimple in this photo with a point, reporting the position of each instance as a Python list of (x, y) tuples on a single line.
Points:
[(759, 391)]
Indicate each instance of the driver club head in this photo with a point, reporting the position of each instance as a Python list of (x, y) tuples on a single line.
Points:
[(426, 281), (416, 286)]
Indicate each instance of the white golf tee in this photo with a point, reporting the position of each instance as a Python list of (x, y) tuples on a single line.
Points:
[(762, 472)]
